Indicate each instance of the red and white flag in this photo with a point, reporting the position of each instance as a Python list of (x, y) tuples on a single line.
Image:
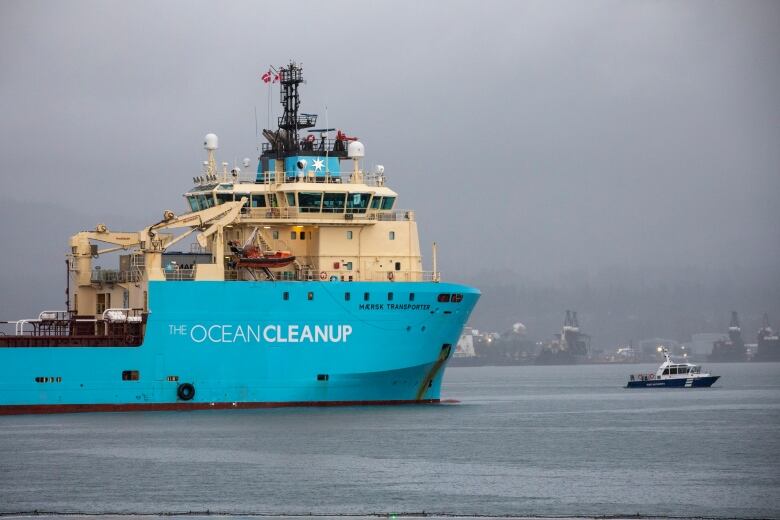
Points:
[(270, 77)]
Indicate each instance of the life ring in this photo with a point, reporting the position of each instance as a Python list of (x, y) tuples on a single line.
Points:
[(323, 276), (652, 376), (185, 391), (390, 275)]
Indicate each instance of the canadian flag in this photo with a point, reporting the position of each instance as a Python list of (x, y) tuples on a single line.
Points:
[(270, 77)]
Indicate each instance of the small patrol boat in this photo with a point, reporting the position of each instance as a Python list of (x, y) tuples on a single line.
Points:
[(672, 374)]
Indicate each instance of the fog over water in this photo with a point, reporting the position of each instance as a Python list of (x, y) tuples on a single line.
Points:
[(621, 158)]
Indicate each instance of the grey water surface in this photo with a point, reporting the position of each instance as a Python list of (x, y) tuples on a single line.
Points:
[(526, 441)]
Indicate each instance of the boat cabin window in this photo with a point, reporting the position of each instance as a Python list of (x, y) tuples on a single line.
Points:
[(193, 203), (666, 372), (310, 202), (291, 199), (258, 201), (376, 202), (357, 202), (333, 202), (293, 235), (349, 235), (387, 202)]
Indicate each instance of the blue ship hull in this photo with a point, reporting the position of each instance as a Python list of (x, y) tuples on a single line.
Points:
[(697, 382), (250, 344)]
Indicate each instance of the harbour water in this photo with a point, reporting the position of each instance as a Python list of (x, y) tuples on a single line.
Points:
[(526, 441)]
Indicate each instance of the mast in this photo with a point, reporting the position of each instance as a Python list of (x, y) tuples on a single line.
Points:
[(290, 121)]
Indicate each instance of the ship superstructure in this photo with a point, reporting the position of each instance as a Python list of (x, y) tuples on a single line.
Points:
[(568, 347), (304, 285), (733, 348)]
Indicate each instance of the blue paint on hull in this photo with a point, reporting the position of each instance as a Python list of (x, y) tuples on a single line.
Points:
[(698, 382), (379, 350)]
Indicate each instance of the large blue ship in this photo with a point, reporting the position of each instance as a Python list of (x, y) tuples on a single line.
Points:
[(301, 284)]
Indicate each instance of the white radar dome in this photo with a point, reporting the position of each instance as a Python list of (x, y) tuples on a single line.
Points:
[(211, 142), (356, 149), (247, 161), (380, 169)]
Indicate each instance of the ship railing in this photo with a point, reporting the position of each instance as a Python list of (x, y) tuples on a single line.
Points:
[(350, 214), (122, 315), (53, 315), (393, 215), (115, 276), (404, 276), (179, 274)]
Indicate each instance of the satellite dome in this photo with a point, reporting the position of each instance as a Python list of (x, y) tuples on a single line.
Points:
[(356, 149), (519, 328), (211, 142)]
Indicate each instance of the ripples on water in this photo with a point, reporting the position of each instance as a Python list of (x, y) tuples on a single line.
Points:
[(539, 441)]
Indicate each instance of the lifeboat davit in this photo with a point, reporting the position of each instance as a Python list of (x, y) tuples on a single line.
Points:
[(254, 258)]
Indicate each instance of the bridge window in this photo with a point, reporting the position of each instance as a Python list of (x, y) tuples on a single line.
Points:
[(258, 201), (291, 199), (310, 202), (224, 197), (193, 203), (376, 202), (333, 202), (387, 202), (358, 202), (666, 372)]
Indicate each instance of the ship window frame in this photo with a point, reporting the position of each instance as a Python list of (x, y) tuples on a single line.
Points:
[(363, 206), (390, 296), (193, 203), (411, 296), (349, 234), (376, 202), (398, 266), (131, 375), (347, 296), (366, 296), (275, 234), (286, 295), (310, 295), (388, 203), (291, 199), (391, 235), (347, 266), (224, 197), (308, 197), (293, 235), (302, 235), (259, 198), (334, 196)]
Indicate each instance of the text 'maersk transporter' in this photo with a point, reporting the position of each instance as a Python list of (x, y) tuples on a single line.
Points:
[(305, 287)]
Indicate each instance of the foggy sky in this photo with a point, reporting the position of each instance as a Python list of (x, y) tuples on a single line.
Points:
[(538, 139)]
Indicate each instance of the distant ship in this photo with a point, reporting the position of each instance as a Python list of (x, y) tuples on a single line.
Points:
[(569, 347), (305, 287), (733, 348), (768, 343)]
